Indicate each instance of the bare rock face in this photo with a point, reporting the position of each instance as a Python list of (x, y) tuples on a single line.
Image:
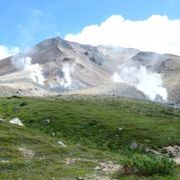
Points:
[(57, 66)]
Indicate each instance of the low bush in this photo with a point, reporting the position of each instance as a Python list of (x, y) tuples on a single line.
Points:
[(148, 165), (24, 103)]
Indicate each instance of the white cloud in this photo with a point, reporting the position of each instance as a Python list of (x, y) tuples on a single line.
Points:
[(157, 33), (7, 51)]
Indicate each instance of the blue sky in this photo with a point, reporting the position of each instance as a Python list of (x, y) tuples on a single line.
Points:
[(26, 22)]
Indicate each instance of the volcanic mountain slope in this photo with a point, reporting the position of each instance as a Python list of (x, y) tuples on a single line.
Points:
[(56, 66)]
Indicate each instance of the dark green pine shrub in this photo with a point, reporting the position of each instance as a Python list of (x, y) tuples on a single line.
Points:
[(148, 165)]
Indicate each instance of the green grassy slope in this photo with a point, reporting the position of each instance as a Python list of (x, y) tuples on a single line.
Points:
[(89, 127), (43, 158)]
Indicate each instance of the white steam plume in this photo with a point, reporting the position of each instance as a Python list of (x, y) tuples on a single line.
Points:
[(34, 71), (150, 83), (65, 81), (66, 69)]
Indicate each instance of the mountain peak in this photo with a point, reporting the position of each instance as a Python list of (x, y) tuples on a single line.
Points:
[(55, 42)]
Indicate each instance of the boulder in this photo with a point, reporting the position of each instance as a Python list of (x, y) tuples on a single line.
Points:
[(134, 145), (61, 143), (16, 121)]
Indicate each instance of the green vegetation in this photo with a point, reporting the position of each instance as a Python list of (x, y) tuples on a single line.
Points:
[(148, 165), (94, 129)]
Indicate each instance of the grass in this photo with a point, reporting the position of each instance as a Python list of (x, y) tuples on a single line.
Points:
[(89, 127), (48, 160)]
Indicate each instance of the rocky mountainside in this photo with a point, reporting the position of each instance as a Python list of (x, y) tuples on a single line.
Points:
[(57, 66)]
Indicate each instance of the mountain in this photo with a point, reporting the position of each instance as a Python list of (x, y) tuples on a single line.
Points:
[(56, 66), (85, 127)]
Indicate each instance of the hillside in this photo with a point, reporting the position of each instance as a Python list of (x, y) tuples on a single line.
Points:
[(56, 66), (96, 135)]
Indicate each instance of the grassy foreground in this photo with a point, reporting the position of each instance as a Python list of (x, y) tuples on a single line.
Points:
[(94, 130)]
